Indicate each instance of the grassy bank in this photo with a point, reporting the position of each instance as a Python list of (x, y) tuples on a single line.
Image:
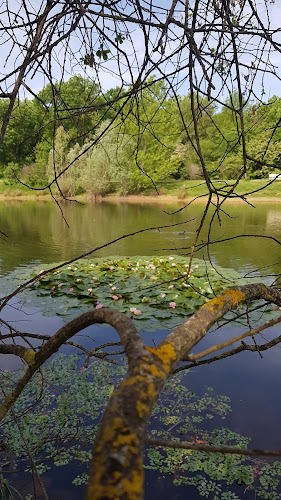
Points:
[(186, 189), (177, 190)]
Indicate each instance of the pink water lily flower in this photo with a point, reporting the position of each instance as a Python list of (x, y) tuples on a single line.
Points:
[(115, 297), (135, 311), (98, 306), (113, 288), (53, 287), (95, 278), (170, 286), (71, 289), (111, 268), (60, 284), (172, 305)]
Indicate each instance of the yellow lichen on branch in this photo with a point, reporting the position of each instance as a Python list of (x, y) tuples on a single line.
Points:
[(215, 304), (152, 370), (166, 353), (134, 485), (118, 435), (124, 436), (118, 446), (120, 440), (126, 487), (142, 409), (236, 296), (5, 405), (134, 380), (29, 357)]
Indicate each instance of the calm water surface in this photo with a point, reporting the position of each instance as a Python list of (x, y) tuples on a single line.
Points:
[(37, 232)]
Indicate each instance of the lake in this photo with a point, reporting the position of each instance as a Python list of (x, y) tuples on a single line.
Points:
[(37, 233)]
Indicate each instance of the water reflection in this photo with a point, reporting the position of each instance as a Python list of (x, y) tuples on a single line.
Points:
[(273, 219), (36, 231)]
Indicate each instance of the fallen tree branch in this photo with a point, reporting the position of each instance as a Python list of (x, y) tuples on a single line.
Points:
[(212, 449), (117, 465)]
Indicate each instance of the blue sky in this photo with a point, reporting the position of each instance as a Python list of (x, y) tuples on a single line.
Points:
[(108, 77)]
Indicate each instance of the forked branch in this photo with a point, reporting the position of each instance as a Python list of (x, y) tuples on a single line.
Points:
[(117, 465)]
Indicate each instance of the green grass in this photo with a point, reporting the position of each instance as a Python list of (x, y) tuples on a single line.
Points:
[(17, 190), (186, 188), (180, 189)]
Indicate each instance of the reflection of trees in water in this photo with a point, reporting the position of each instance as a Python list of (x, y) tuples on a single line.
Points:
[(273, 220), (37, 231)]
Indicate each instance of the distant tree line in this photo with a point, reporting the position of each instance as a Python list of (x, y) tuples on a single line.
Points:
[(146, 141)]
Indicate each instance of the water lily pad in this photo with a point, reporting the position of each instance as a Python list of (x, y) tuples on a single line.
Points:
[(157, 287)]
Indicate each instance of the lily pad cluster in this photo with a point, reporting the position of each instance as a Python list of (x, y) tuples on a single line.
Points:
[(157, 291)]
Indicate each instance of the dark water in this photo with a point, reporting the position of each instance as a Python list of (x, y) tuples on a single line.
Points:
[(37, 232)]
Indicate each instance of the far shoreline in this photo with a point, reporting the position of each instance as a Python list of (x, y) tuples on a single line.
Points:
[(134, 199)]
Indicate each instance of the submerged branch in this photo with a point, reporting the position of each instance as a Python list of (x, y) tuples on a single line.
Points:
[(212, 449)]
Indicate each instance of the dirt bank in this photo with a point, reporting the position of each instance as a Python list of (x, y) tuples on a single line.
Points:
[(136, 199)]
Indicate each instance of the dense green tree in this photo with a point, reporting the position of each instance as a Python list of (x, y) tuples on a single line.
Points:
[(101, 165), (109, 162), (165, 144), (72, 103), (152, 123), (58, 162), (21, 135)]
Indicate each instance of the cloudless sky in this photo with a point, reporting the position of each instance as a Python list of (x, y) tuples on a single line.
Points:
[(272, 84)]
